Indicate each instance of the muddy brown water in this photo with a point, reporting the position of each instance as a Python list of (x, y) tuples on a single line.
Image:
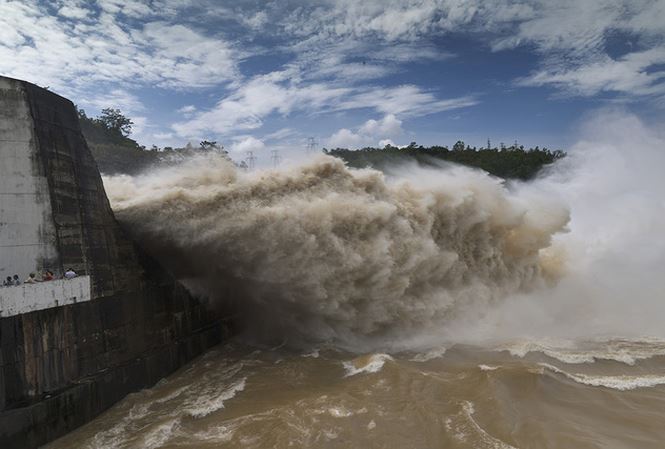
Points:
[(525, 394)]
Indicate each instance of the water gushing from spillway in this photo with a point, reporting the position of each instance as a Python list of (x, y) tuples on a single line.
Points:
[(327, 252), (418, 256)]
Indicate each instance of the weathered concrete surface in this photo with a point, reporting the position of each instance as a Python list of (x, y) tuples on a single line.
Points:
[(62, 366), (27, 231), (26, 298)]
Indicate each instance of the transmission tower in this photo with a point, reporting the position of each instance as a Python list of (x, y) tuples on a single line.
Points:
[(275, 158), (251, 160), (311, 145)]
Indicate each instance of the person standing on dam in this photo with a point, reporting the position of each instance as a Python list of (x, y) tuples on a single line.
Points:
[(32, 279)]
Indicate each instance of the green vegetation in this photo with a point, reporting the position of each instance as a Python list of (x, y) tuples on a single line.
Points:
[(512, 162), (115, 153)]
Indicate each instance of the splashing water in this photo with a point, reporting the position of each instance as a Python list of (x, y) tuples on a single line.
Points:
[(419, 257), (333, 253)]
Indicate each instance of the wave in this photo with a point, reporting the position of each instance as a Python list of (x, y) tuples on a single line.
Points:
[(466, 429), (204, 406), (484, 367), (571, 352), (434, 353), (366, 364), (622, 382)]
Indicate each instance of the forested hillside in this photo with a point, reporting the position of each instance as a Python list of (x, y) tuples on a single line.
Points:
[(513, 162), (114, 151)]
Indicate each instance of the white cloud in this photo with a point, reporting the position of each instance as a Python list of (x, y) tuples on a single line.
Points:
[(245, 108), (102, 48), (140, 127), (369, 133), (252, 102), (121, 99), (247, 143), (573, 38), (409, 100), (187, 109), (73, 12), (280, 134), (130, 8), (629, 74), (345, 138), (387, 126)]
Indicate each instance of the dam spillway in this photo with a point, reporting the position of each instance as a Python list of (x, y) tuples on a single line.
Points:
[(70, 351)]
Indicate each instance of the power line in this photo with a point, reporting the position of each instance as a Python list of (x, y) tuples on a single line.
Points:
[(275, 158), (311, 145), (251, 160)]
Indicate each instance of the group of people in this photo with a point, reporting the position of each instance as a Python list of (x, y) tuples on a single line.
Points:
[(32, 278)]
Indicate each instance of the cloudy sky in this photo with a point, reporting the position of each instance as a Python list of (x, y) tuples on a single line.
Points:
[(260, 75)]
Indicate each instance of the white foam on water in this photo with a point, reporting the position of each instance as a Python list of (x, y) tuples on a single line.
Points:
[(463, 427), (621, 382), (488, 440), (160, 434), (488, 367), (339, 412), (313, 354), (206, 406), (624, 351), (174, 394), (218, 434), (434, 353), (371, 364)]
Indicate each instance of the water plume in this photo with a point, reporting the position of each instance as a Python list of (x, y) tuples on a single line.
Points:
[(322, 251), (611, 283)]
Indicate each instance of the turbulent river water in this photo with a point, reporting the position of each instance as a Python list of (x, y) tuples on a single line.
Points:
[(418, 308), (596, 394)]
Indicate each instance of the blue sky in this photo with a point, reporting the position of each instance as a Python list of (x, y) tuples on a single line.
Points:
[(261, 75)]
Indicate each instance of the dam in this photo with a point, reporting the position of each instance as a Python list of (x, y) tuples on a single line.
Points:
[(71, 348)]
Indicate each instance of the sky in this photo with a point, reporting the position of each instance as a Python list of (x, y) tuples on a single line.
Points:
[(268, 75)]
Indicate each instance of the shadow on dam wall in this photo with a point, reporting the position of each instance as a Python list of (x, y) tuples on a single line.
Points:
[(62, 366)]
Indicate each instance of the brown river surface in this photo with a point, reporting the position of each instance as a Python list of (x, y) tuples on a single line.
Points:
[(523, 394)]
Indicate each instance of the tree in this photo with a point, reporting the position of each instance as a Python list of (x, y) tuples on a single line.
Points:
[(81, 113), (114, 120), (207, 145), (459, 146)]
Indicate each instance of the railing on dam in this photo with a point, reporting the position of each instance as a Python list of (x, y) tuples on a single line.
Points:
[(26, 298)]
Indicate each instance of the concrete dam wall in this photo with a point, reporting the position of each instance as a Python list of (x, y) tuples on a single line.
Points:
[(70, 351)]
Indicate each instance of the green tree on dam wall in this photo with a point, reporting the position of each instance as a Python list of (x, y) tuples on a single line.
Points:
[(115, 152), (514, 162)]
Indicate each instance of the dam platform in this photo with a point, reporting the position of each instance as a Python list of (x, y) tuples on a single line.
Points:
[(71, 348)]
